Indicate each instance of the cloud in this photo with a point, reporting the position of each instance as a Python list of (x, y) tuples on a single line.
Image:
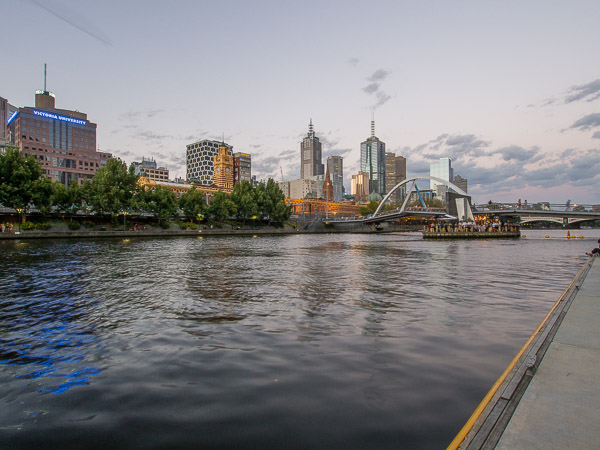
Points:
[(379, 75), (588, 92), (371, 88), (596, 135), (374, 88), (353, 61), (336, 152), (516, 153), (587, 122)]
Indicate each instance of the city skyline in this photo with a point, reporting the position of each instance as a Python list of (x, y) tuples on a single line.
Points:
[(509, 92)]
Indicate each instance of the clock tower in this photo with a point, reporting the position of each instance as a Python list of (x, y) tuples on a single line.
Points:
[(223, 163)]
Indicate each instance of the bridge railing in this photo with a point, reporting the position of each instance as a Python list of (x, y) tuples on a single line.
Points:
[(543, 206)]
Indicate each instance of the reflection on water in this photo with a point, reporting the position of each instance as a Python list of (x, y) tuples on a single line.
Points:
[(302, 341)]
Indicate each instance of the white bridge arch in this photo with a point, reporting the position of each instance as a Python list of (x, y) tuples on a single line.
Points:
[(412, 187)]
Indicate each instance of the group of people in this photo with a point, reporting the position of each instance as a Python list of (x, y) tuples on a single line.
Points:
[(479, 227), (8, 228)]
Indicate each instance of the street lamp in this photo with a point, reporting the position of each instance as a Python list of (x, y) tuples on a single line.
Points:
[(124, 216), (19, 211)]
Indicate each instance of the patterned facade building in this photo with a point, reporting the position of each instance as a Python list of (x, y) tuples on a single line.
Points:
[(200, 160), (63, 141)]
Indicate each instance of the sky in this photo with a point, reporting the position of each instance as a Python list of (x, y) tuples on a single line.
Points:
[(509, 90)]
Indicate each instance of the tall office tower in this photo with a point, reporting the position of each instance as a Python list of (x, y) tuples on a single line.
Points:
[(443, 170), (149, 168), (335, 165), (461, 182), (372, 161), (310, 155), (199, 162), (395, 172), (359, 186), (63, 141), (223, 164), (242, 167)]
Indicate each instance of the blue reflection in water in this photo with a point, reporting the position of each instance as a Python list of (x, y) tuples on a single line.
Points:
[(43, 333)]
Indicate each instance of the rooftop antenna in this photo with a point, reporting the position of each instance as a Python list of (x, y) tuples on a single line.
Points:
[(44, 77), (372, 123), (310, 127)]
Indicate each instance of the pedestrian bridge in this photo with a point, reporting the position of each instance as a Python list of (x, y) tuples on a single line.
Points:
[(383, 213)]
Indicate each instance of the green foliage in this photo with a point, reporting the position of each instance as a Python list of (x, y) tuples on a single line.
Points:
[(192, 204), (245, 200), (369, 208), (112, 188), (18, 174), (74, 225), (68, 200), (27, 226), (221, 206), (187, 225), (43, 226), (164, 224), (160, 201), (42, 193), (271, 202)]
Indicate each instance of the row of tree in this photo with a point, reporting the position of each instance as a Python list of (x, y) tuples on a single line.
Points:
[(114, 189)]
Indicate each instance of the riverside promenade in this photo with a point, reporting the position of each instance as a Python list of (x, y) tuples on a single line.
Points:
[(549, 397)]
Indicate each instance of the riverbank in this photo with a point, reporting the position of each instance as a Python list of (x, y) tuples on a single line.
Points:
[(547, 397), (157, 232)]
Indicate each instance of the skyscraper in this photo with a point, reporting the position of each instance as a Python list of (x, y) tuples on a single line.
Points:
[(335, 165), (395, 172), (372, 161), (461, 182), (443, 170), (310, 155)]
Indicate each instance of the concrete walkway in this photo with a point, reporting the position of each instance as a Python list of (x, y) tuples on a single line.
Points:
[(561, 406)]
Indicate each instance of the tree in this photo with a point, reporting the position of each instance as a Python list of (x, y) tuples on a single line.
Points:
[(221, 206), (18, 174), (244, 198), (369, 208), (112, 187), (43, 190), (160, 201), (271, 202), (68, 200), (192, 203)]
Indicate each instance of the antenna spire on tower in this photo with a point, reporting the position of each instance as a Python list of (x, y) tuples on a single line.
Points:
[(44, 77), (373, 124), (310, 127)]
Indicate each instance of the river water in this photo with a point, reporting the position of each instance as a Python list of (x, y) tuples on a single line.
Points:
[(299, 341)]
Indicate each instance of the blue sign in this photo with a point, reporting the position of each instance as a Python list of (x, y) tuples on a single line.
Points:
[(58, 117), (11, 118)]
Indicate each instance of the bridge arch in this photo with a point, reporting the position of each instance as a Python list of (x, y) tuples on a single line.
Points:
[(413, 180)]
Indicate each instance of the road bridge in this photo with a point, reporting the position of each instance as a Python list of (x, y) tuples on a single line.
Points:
[(565, 217)]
